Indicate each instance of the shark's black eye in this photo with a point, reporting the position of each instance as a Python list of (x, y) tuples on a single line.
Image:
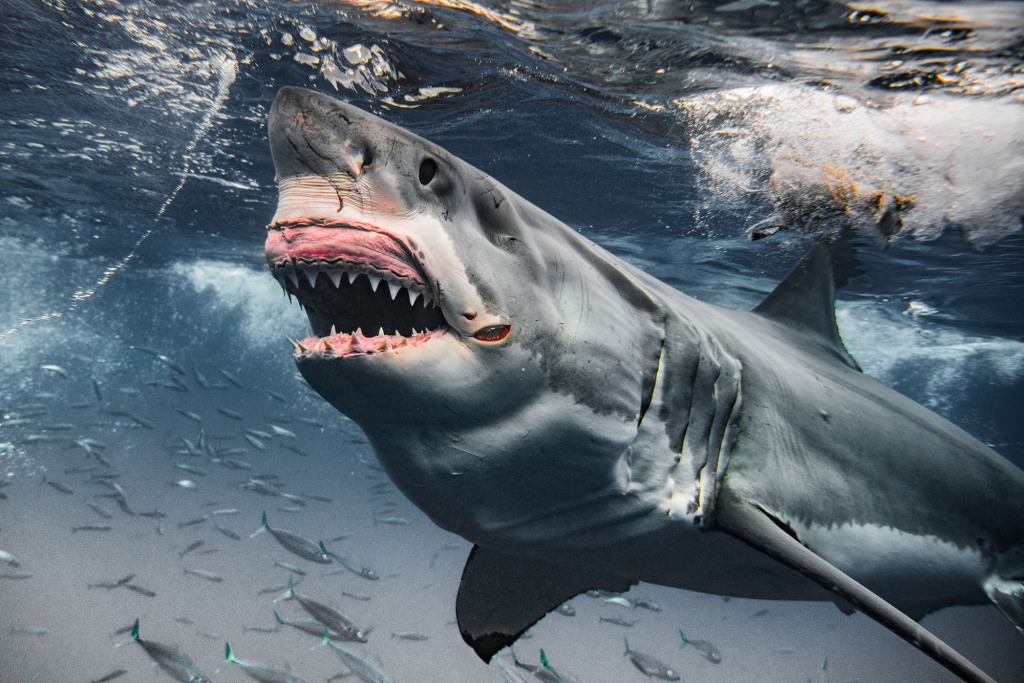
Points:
[(367, 158), (428, 169)]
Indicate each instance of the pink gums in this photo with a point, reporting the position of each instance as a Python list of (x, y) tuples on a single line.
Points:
[(322, 242), (356, 344)]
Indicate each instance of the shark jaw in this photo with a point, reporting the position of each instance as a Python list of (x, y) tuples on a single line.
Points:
[(362, 288)]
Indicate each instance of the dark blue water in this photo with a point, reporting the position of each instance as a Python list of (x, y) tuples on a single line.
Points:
[(136, 181)]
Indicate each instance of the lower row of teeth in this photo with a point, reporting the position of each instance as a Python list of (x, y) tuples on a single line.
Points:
[(358, 343)]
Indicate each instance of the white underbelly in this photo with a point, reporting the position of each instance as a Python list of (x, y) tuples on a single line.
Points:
[(906, 569)]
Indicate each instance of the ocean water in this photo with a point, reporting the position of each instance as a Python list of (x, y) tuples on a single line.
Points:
[(139, 320)]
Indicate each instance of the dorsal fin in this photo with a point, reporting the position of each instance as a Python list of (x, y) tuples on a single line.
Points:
[(805, 302)]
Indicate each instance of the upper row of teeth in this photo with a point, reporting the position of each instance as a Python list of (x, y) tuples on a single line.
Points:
[(335, 274)]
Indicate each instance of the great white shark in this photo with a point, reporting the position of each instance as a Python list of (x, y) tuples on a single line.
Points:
[(585, 425)]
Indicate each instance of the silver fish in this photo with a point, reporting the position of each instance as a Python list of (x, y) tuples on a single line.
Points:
[(294, 543), (364, 669), (204, 574), (650, 665), (310, 626), (327, 616), (261, 672), (706, 649), (176, 663), (351, 565), (56, 369)]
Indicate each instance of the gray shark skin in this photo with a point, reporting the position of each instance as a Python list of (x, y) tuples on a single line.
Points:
[(587, 426)]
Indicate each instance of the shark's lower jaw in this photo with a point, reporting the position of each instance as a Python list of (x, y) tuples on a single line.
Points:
[(356, 308)]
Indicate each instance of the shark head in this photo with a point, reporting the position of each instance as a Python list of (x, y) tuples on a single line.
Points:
[(471, 335)]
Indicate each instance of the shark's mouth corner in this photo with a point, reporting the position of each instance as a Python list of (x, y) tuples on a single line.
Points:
[(361, 288)]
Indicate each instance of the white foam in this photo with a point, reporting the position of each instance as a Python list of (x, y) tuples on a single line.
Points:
[(889, 346), (267, 315), (818, 156)]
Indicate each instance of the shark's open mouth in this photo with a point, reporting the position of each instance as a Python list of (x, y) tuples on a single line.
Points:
[(361, 290)]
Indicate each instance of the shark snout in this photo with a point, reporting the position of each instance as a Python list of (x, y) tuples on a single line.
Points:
[(312, 134)]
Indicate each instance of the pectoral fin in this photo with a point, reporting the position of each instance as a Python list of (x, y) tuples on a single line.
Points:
[(757, 527), (501, 596)]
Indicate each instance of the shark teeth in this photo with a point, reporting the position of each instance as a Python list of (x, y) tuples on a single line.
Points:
[(350, 297), (292, 271), (358, 344)]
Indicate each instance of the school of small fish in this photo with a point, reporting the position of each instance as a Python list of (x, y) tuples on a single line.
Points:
[(219, 457)]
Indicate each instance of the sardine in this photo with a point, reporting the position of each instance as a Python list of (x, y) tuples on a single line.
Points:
[(59, 486), (176, 663), (231, 378), (193, 522), (173, 365), (409, 635), (9, 558), (227, 412), (44, 438), (548, 673), (191, 469), (397, 521), (295, 543), (364, 669), (204, 574), (508, 673), (140, 590), (200, 378), (235, 464), (649, 605), (356, 596), (261, 487), (91, 527), (260, 672), (310, 626), (56, 369), (281, 431), (649, 665), (314, 496), (15, 576), (706, 649), (327, 616), (142, 422), (351, 565), (276, 396), (191, 546)]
